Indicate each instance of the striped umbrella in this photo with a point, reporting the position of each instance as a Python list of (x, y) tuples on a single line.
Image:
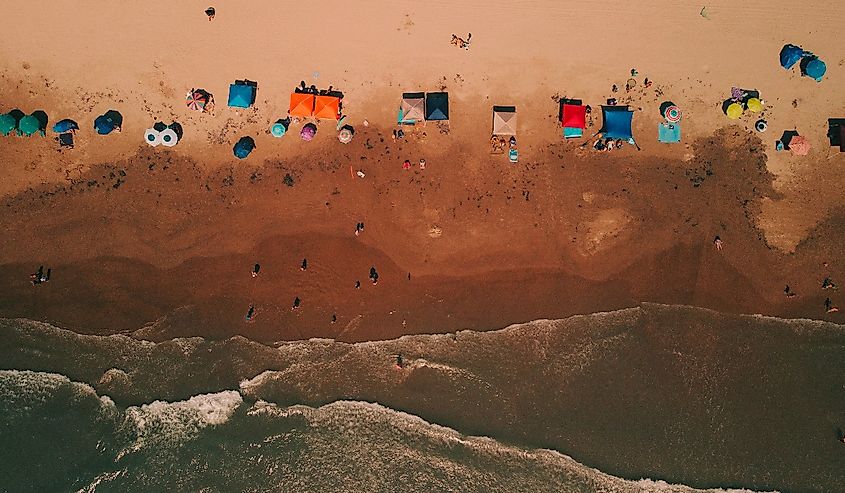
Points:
[(345, 135), (673, 114), (196, 101)]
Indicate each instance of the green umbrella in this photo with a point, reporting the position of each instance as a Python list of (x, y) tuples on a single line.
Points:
[(28, 125), (7, 123)]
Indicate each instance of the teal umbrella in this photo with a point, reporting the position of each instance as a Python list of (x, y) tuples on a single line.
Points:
[(7, 123), (28, 125)]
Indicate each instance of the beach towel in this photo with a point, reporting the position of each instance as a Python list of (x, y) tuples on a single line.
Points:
[(571, 132), (668, 133)]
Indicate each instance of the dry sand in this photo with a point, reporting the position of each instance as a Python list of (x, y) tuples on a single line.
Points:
[(135, 234)]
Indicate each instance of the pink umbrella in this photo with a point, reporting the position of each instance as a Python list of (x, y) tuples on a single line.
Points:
[(308, 132)]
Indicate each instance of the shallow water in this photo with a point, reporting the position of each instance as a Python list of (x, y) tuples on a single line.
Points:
[(670, 393)]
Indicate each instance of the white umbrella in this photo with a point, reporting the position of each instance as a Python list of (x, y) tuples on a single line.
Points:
[(169, 137), (152, 137)]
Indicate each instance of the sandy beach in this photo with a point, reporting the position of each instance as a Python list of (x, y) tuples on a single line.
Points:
[(158, 243)]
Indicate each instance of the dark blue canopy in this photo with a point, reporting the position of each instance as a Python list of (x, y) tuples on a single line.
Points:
[(789, 55), (241, 95), (65, 125), (437, 106), (108, 122), (243, 147), (617, 122)]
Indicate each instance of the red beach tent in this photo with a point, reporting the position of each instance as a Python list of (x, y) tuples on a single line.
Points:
[(301, 104), (573, 116)]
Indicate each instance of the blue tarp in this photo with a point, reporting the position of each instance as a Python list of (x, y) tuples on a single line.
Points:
[(241, 95), (572, 132), (243, 147), (617, 122), (437, 106), (669, 133), (789, 55)]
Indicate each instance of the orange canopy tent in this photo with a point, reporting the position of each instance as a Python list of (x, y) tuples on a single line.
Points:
[(327, 107), (301, 104)]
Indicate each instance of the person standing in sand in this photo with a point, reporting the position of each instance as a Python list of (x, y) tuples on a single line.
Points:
[(718, 242), (250, 313), (304, 264), (255, 270), (296, 303), (210, 13), (828, 306)]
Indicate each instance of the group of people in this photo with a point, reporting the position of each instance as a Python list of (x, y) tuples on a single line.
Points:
[(40, 275)]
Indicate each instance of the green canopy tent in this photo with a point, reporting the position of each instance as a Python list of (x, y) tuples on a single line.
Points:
[(28, 125), (7, 124)]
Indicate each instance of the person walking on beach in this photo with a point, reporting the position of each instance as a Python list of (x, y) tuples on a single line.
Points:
[(357, 284), (828, 284), (255, 270), (789, 292), (828, 306), (304, 264), (374, 275), (334, 317), (250, 313), (406, 164), (718, 242), (210, 13), (296, 303)]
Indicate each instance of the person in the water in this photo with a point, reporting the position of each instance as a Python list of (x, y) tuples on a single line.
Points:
[(250, 313)]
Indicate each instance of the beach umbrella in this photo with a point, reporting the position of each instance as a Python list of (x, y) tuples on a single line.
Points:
[(789, 55), (816, 69), (345, 134), (196, 101), (278, 129), (169, 137), (28, 125), (152, 137), (308, 132), (734, 111), (65, 125), (7, 123), (799, 145), (755, 105), (673, 114), (243, 147)]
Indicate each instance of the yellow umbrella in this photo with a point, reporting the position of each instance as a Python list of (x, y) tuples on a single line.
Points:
[(755, 105), (734, 111)]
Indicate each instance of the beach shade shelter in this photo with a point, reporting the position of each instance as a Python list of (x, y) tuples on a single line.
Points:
[(734, 111), (437, 106), (280, 128), (152, 137), (301, 104), (309, 130), (836, 132), (28, 125), (813, 67), (242, 94), (169, 137), (668, 133), (412, 108), (196, 100), (345, 134), (789, 55), (65, 125), (617, 122), (754, 105), (504, 120), (573, 115), (7, 124), (108, 122), (327, 107), (799, 145), (243, 147)]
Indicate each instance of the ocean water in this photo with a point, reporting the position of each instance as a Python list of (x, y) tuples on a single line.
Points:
[(672, 394)]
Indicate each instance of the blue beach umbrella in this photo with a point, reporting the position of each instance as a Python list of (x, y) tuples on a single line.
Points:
[(243, 147), (278, 129), (789, 55), (816, 69), (108, 122), (65, 125), (28, 125), (7, 124)]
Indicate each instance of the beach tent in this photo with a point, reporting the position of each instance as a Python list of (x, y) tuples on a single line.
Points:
[(617, 122), (412, 109), (28, 125), (437, 106), (504, 120), (243, 147), (301, 104), (7, 124), (836, 132), (65, 125), (242, 93), (327, 107), (668, 133), (789, 55), (573, 115)]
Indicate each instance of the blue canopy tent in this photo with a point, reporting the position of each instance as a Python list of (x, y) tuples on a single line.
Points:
[(617, 123), (243, 147), (242, 94), (437, 106)]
